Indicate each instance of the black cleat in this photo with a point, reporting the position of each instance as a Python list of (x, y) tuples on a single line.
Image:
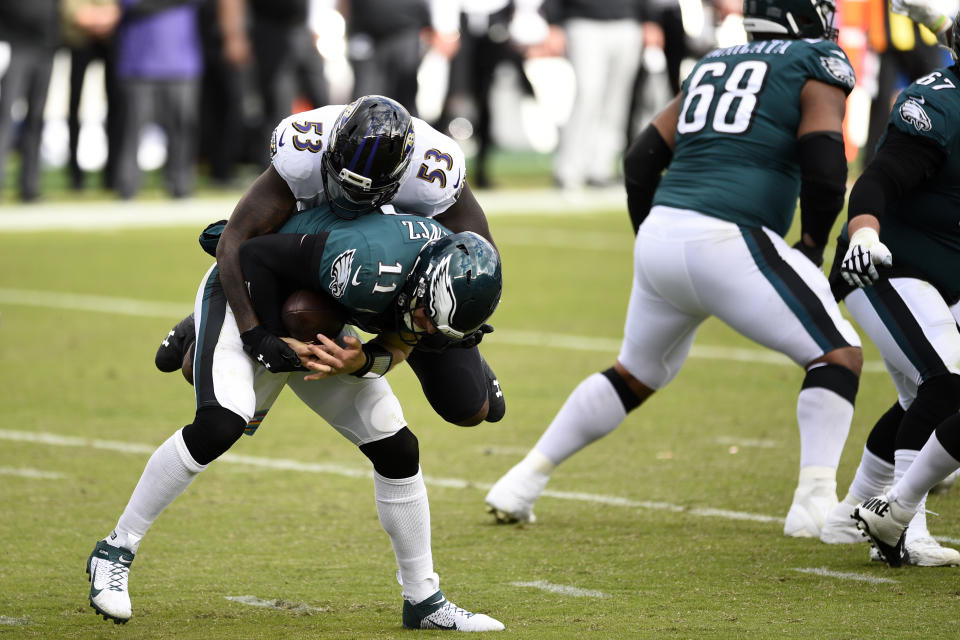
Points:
[(171, 351)]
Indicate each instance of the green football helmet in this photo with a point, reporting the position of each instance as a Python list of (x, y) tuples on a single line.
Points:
[(790, 18), (457, 281)]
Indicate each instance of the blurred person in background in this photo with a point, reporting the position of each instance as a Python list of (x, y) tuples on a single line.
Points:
[(228, 61), (905, 53), (493, 32), (604, 41), (286, 60), (159, 63), (87, 27), (384, 46), (31, 27)]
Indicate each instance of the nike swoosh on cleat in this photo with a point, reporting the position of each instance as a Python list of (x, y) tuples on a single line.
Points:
[(452, 627)]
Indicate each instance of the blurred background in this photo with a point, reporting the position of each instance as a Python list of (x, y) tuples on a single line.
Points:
[(161, 98)]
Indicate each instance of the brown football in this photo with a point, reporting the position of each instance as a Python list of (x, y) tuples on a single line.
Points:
[(307, 313)]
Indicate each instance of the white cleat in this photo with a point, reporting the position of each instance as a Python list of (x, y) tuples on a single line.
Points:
[(927, 552), (840, 527), (512, 497), (436, 612), (885, 523), (109, 570), (811, 506)]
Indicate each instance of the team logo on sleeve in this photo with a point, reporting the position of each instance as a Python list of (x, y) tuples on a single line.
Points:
[(839, 69), (340, 273), (912, 112)]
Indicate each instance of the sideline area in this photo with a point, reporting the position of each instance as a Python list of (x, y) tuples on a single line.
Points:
[(117, 214)]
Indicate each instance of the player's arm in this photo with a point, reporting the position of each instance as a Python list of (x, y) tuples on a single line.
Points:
[(262, 209), (823, 164), (466, 214), (646, 159)]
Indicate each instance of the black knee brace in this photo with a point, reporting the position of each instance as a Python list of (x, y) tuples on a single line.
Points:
[(629, 399), (937, 399), (883, 437), (212, 432), (395, 457)]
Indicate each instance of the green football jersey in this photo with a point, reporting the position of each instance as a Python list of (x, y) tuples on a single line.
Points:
[(736, 143), (366, 261), (922, 229)]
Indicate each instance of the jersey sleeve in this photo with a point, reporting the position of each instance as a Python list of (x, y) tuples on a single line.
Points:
[(436, 174), (930, 107), (827, 62), (357, 273), (296, 148)]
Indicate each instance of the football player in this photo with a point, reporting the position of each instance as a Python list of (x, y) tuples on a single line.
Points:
[(897, 268), (754, 126), (402, 277), (359, 158)]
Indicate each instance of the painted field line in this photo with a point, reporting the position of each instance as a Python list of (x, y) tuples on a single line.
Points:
[(170, 310), (562, 589), (276, 604), (112, 215), (748, 442), (24, 472), (843, 575), (52, 439)]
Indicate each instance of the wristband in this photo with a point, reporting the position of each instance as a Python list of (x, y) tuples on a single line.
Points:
[(379, 359)]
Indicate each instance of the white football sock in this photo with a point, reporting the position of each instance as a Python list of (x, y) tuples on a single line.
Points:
[(592, 410), (405, 515), (824, 420), (931, 465), (168, 473), (903, 459), (873, 477)]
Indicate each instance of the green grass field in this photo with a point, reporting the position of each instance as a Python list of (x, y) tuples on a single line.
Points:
[(627, 528)]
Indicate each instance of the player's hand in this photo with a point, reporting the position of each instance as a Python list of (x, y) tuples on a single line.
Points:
[(936, 15), (864, 255), (332, 359), (270, 351), (813, 254)]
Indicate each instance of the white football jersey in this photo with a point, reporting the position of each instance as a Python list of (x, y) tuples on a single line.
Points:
[(433, 180)]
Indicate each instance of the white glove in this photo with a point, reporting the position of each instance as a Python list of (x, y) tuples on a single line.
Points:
[(859, 266), (936, 15)]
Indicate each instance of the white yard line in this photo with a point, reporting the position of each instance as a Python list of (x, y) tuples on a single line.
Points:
[(173, 311), (843, 575), (111, 215), (276, 604), (36, 474), (562, 589)]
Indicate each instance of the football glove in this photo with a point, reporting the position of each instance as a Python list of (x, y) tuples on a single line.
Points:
[(936, 15), (270, 351), (864, 255), (814, 254)]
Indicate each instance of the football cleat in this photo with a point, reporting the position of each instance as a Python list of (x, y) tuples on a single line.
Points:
[(885, 523), (840, 527), (927, 552), (175, 346), (109, 570), (512, 497), (436, 612), (812, 504)]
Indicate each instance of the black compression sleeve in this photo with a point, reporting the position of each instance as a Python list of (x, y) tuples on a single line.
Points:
[(823, 171), (275, 263), (643, 163), (902, 162)]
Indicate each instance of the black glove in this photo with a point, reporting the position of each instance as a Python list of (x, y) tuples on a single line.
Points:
[(270, 351), (813, 254), (472, 340)]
